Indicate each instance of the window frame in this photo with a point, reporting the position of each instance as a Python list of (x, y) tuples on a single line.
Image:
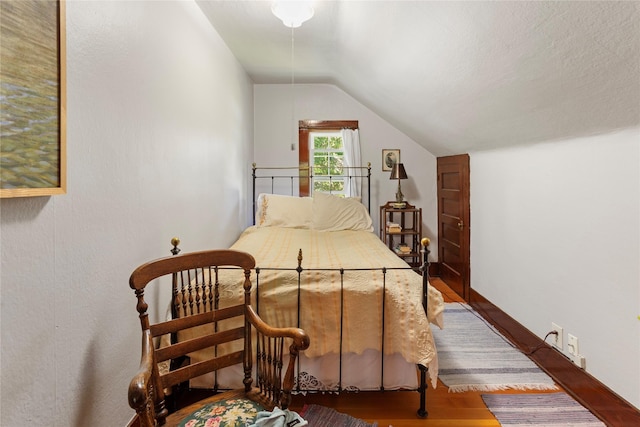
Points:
[(305, 127)]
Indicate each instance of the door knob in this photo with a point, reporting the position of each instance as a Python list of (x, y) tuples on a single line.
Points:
[(460, 225)]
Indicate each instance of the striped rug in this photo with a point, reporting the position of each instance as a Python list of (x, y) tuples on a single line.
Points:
[(473, 355), (544, 409), (321, 416)]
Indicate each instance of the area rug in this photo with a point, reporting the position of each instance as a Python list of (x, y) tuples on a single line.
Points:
[(473, 355), (543, 409), (321, 416)]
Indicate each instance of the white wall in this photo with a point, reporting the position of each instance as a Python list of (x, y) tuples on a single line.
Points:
[(555, 237), (160, 139), (276, 120)]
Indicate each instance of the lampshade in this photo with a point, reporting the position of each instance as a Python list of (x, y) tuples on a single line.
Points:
[(398, 172), (292, 13)]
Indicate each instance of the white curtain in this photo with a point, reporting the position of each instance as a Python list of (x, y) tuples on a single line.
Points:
[(352, 157)]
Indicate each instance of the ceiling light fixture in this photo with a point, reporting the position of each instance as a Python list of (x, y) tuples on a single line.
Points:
[(292, 13)]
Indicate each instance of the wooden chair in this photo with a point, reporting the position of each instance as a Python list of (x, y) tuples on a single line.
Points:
[(197, 305)]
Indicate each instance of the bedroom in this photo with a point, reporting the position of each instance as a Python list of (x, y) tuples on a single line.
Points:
[(152, 87)]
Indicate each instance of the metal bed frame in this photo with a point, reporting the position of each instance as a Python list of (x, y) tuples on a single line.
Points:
[(275, 175), (297, 174)]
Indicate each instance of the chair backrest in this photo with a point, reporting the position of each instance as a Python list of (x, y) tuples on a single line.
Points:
[(220, 332)]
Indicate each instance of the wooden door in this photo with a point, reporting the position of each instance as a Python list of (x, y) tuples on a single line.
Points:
[(453, 222)]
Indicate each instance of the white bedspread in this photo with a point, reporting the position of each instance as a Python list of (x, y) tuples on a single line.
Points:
[(407, 328)]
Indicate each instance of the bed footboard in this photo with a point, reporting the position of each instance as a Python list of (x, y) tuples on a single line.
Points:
[(182, 292)]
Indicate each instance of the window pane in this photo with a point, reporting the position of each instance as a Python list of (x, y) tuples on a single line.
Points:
[(320, 163), (322, 186), (320, 142), (335, 142), (335, 186), (336, 163)]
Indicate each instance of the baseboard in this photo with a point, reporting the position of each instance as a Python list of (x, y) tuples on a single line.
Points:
[(612, 409), (434, 269)]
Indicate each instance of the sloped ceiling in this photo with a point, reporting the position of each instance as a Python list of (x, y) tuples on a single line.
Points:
[(456, 77)]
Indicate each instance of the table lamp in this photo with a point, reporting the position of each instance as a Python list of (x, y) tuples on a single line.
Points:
[(398, 172)]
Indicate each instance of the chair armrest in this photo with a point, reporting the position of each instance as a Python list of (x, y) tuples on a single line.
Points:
[(299, 336), (143, 387)]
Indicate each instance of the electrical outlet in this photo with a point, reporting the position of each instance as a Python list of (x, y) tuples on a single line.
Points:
[(572, 345), (574, 352), (579, 360), (556, 340)]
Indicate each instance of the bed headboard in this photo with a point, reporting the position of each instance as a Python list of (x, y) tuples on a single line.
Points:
[(289, 180)]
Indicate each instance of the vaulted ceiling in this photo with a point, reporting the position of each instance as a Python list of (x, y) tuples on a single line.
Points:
[(456, 76)]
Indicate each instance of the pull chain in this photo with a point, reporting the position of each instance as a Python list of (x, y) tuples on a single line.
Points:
[(293, 96)]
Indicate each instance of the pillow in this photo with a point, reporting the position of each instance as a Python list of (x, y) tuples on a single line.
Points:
[(274, 210), (333, 213)]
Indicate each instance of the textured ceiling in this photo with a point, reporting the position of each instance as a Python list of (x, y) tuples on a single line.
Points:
[(456, 76)]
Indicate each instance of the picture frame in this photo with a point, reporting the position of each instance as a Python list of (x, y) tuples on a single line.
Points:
[(389, 157), (33, 94)]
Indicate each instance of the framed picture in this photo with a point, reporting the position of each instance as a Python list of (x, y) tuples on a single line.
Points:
[(33, 98), (389, 158)]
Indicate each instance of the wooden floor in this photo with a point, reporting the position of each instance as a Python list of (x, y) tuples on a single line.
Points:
[(398, 408)]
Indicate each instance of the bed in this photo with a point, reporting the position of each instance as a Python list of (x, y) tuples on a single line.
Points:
[(320, 266)]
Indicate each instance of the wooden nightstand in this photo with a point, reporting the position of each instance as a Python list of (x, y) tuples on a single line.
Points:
[(404, 239)]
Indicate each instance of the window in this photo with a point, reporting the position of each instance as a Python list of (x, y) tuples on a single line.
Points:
[(320, 147), (326, 156)]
